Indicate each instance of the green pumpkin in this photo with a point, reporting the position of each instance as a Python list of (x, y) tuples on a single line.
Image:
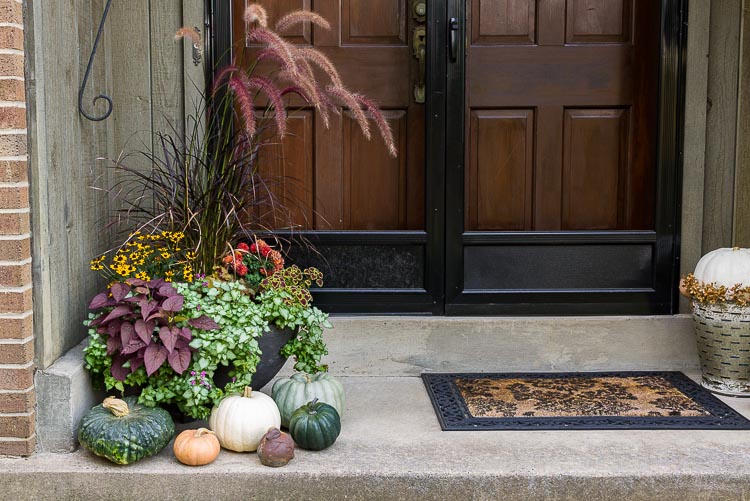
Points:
[(299, 389), (124, 431), (315, 426)]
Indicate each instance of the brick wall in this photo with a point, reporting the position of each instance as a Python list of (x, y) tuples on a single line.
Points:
[(16, 336)]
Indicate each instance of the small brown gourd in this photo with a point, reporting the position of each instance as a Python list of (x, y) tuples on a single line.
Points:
[(196, 447), (276, 448)]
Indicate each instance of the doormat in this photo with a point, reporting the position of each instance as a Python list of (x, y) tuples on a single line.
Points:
[(577, 401)]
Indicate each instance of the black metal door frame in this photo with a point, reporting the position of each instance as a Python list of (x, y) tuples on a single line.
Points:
[(661, 296), (442, 291)]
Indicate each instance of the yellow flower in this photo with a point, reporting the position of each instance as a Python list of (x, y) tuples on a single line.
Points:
[(143, 276), (168, 275), (190, 255), (165, 255)]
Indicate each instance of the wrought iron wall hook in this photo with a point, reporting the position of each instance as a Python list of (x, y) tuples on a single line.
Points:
[(108, 112)]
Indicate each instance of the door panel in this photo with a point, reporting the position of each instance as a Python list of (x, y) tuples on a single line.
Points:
[(501, 169), (503, 22), (595, 149)]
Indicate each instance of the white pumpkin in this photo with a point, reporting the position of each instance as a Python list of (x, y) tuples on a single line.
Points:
[(240, 421), (726, 267)]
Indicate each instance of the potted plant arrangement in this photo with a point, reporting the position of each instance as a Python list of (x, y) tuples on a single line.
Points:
[(719, 291), (193, 290)]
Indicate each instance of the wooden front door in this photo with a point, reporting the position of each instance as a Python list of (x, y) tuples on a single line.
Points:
[(560, 166), (363, 210)]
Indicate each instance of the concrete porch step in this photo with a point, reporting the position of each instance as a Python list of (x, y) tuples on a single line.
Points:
[(391, 447), (407, 346)]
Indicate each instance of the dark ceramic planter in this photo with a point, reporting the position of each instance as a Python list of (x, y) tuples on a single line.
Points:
[(271, 361)]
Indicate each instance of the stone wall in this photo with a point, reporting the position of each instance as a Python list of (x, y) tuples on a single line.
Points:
[(17, 420)]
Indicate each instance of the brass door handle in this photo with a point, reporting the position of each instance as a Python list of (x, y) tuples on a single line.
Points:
[(420, 52)]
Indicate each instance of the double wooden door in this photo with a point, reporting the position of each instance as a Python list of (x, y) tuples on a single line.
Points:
[(530, 180)]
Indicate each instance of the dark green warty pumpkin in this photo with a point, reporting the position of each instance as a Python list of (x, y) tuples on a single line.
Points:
[(124, 431), (315, 426)]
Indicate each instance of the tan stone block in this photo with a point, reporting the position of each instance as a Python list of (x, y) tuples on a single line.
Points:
[(12, 90), (15, 276), (14, 171), (12, 118), (13, 145), (17, 353), (17, 426), (18, 447), (15, 302), (15, 197), (16, 379), (17, 402), (11, 38), (16, 328), (11, 65), (11, 11), (15, 224), (15, 250)]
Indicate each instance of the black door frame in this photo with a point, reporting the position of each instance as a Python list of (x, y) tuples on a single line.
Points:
[(429, 298), (444, 170), (661, 298)]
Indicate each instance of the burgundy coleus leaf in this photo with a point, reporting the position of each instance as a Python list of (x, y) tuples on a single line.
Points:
[(119, 291), (133, 346), (182, 343), (157, 315), (167, 290), (127, 332), (113, 328), (156, 283), (99, 301), (135, 363), (135, 282), (118, 312), (147, 307), (154, 357), (186, 333), (118, 371), (173, 303), (204, 322), (168, 336), (113, 345), (179, 360), (144, 330)]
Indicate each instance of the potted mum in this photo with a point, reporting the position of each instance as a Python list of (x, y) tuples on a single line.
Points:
[(719, 291), (197, 305)]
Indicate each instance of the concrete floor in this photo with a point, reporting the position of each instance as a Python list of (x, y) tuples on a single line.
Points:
[(392, 447)]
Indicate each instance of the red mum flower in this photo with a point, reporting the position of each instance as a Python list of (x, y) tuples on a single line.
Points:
[(243, 246), (241, 270)]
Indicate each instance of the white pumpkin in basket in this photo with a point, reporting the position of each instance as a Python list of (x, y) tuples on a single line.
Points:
[(240, 421), (727, 267)]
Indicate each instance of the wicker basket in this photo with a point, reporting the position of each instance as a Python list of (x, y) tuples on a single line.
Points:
[(723, 332)]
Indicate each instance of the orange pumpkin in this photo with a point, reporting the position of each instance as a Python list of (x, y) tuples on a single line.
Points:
[(196, 447)]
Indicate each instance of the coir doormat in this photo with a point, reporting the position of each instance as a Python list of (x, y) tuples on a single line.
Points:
[(577, 401)]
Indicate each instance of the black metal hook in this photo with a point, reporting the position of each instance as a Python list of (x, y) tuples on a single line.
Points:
[(88, 71)]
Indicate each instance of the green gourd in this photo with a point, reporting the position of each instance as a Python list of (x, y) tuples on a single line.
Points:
[(124, 431), (291, 393), (315, 426)]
